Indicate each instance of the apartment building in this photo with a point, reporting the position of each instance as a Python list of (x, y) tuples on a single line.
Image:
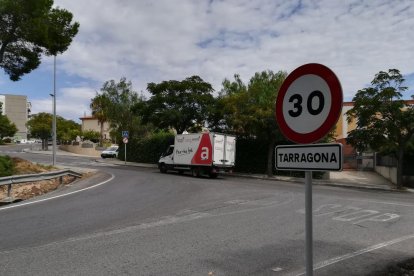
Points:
[(17, 109)]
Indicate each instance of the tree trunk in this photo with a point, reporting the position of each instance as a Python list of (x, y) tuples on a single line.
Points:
[(400, 167), (102, 133), (44, 144), (270, 151)]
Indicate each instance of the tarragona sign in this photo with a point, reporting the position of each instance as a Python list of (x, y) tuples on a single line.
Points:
[(308, 158)]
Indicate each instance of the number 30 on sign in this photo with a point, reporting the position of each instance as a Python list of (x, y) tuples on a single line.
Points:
[(309, 103)]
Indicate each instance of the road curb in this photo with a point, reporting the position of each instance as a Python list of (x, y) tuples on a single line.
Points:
[(323, 183), (130, 164)]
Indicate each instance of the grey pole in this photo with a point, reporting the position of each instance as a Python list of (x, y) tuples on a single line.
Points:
[(125, 152), (309, 234), (54, 111)]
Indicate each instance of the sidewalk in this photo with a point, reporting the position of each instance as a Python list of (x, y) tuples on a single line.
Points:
[(351, 179)]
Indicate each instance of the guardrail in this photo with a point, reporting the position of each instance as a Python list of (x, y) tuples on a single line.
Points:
[(17, 179)]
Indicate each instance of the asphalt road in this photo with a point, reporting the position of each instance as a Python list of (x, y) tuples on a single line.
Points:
[(141, 222)]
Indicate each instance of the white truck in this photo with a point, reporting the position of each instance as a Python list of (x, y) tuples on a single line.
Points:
[(200, 153)]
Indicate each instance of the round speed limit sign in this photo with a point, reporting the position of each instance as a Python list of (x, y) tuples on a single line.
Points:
[(309, 103)]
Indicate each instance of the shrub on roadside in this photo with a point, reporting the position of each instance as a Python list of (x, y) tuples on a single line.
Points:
[(7, 140), (91, 135), (147, 150), (6, 166)]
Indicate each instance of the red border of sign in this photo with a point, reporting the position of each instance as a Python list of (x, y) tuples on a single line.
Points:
[(336, 105)]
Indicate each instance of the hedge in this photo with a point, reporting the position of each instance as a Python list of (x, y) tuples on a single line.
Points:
[(251, 157), (147, 150)]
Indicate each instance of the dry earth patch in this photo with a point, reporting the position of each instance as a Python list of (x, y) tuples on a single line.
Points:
[(31, 189)]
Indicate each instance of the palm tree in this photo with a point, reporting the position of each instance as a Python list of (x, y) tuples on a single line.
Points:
[(99, 106)]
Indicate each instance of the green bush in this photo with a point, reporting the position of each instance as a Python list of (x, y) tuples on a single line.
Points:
[(147, 150), (251, 157), (91, 135), (6, 166), (6, 140)]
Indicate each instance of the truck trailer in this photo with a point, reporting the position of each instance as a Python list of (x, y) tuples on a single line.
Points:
[(200, 153)]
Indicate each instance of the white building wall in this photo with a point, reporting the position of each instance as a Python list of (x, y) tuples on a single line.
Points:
[(3, 101), (15, 108)]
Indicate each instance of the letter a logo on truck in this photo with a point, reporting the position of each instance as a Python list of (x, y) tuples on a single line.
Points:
[(202, 155)]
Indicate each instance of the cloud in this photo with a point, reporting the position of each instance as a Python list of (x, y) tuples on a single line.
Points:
[(71, 103), (151, 41)]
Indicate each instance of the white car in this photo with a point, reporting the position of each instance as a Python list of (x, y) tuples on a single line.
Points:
[(110, 152)]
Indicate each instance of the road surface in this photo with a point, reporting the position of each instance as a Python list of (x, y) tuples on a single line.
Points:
[(136, 221)]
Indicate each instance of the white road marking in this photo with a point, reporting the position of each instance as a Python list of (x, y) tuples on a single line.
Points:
[(58, 196), (356, 215), (359, 252), (351, 214), (382, 202), (380, 218)]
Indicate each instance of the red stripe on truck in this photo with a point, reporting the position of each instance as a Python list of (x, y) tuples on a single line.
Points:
[(203, 155)]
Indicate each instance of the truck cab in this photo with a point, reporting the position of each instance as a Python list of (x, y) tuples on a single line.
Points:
[(167, 159)]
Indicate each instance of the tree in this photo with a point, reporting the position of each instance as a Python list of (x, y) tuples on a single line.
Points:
[(29, 29), (249, 109), (99, 107), (182, 105), (40, 126), (118, 101), (384, 122), (67, 130), (7, 128)]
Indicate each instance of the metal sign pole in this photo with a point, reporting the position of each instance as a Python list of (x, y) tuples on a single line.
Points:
[(309, 234), (125, 152)]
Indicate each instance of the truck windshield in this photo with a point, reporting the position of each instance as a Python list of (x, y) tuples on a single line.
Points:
[(169, 151)]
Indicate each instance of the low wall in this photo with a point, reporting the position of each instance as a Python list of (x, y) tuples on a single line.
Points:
[(81, 149), (390, 173)]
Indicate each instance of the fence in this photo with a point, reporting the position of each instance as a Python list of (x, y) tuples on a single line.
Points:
[(17, 179)]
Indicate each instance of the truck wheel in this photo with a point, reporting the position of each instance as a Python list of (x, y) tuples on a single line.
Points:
[(195, 172), (163, 168), (213, 175)]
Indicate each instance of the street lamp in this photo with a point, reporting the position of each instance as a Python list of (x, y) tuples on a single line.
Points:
[(53, 129), (54, 112)]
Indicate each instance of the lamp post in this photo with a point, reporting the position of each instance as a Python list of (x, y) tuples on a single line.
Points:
[(54, 112)]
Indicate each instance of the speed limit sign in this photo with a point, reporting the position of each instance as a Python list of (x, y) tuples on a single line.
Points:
[(309, 103)]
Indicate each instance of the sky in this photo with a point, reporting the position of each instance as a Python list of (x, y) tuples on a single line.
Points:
[(152, 41)]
